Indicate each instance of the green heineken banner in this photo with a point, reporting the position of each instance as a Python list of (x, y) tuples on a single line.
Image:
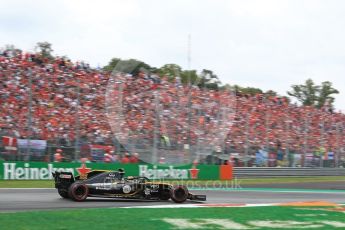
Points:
[(18, 170)]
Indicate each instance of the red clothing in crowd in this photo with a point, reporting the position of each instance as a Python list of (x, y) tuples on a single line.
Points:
[(134, 159), (125, 160), (257, 119)]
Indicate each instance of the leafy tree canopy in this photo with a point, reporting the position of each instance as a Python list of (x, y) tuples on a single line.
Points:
[(310, 94), (132, 66), (44, 49)]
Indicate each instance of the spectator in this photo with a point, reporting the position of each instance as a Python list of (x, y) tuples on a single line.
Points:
[(242, 121), (125, 159), (58, 155), (107, 158), (134, 158)]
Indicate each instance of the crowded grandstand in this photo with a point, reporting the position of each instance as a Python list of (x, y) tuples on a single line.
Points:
[(65, 111)]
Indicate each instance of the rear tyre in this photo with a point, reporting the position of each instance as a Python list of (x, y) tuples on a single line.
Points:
[(63, 193), (179, 194), (78, 191)]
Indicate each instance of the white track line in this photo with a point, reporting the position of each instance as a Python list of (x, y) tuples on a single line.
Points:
[(203, 205)]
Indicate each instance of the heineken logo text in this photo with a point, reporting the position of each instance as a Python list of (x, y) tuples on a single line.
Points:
[(12, 172), (169, 173)]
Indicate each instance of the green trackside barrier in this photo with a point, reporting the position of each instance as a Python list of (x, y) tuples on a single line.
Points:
[(19, 170)]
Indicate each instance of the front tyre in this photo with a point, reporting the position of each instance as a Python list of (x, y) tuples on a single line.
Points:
[(63, 193), (78, 191), (179, 194)]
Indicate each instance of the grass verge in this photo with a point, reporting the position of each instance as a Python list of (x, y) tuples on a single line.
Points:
[(178, 218)]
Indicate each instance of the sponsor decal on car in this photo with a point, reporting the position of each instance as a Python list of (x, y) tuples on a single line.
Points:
[(147, 191), (154, 187), (111, 175), (64, 176), (126, 189)]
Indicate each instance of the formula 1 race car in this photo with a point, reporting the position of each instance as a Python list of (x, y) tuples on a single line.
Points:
[(113, 184)]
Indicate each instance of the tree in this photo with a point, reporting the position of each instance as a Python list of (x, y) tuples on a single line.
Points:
[(227, 87), (208, 79), (131, 66), (271, 93), (44, 49), (306, 94), (189, 76), (246, 90), (326, 90), (112, 64), (170, 70), (310, 94)]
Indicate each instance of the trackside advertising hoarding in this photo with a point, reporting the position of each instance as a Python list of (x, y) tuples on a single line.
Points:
[(18, 170)]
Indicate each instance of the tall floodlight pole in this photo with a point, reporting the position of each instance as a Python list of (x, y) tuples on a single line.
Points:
[(267, 119), (119, 109), (155, 129), (306, 130), (189, 52), (29, 128), (248, 137), (246, 147), (287, 129), (77, 123), (337, 144), (322, 142), (341, 143), (189, 60)]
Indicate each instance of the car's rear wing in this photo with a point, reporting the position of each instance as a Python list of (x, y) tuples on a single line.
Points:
[(63, 179)]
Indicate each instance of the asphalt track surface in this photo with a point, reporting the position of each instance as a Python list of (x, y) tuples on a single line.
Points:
[(14, 200), (302, 185)]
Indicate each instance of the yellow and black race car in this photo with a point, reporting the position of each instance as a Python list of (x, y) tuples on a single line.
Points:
[(113, 184)]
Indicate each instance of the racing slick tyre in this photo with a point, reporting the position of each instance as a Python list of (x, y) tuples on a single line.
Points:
[(179, 194), (63, 193), (78, 191)]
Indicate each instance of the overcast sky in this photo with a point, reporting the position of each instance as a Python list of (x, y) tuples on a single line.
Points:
[(269, 44)]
